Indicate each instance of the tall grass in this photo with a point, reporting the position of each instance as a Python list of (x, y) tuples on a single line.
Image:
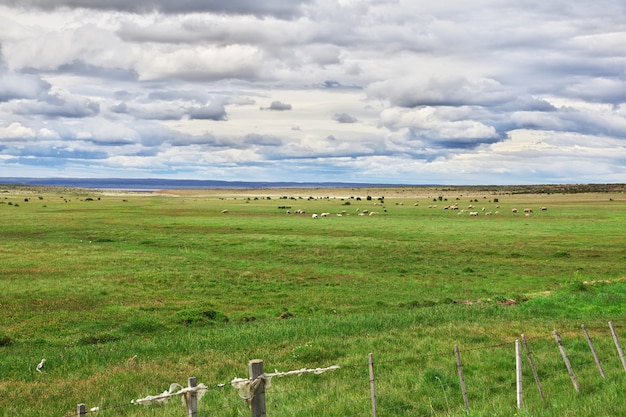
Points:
[(124, 294)]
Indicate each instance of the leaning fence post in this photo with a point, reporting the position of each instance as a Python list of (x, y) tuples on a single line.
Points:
[(192, 398), (459, 367), (617, 345), (518, 373), (81, 410), (534, 368), (370, 359), (593, 351), (257, 402), (566, 360)]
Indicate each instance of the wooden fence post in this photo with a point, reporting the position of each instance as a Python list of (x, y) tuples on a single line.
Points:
[(81, 410), (617, 345), (593, 352), (534, 368), (370, 359), (459, 367), (257, 402), (192, 398), (518, 373), (566, 360)]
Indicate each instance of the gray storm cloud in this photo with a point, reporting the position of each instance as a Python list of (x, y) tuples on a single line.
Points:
[(21, 86), (278, 106), (344, 118), (278, 8), (212, 111), (450, 91), (58, 104)]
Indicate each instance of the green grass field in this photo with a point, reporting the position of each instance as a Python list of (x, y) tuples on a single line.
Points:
[(124, 294)]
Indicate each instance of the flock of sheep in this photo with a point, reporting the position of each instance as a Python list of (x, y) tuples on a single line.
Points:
[(341, 214), (471, 210)]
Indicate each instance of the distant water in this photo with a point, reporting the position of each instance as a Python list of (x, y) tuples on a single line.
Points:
[(154, 184)]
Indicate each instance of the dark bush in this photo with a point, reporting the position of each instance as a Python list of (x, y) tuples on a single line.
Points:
[(97, 339), (5, 340), (199, 316), (141, 326)]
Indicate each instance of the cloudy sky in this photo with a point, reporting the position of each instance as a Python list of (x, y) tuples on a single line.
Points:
[(397, 91)]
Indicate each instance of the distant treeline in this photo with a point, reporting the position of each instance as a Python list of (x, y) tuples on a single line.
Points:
[(543, 188)]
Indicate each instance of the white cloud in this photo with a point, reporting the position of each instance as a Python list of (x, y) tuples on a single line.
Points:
[(202, 63), (16, 131), (455, 91), (47, 134), (431, 126)]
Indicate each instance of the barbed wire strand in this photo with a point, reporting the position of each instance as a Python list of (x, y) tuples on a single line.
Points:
[(536, 349)]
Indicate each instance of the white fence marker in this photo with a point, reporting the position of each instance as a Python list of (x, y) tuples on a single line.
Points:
[(518, 373)]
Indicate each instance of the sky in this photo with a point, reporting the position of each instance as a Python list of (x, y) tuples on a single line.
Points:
[(367, 91)]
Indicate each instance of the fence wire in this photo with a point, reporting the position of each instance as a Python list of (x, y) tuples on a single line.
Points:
[(424, 384)]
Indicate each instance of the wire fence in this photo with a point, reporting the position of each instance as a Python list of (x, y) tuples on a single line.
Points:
[(452, 382)]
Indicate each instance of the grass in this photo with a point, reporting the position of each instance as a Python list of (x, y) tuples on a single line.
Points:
[(124, 294)]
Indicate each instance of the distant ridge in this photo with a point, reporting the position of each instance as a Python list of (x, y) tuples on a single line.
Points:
[(154, 184)]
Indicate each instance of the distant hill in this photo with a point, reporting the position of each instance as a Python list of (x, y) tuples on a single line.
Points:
[(153, 184)]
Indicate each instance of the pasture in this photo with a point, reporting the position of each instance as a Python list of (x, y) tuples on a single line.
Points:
[(124, 293)]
